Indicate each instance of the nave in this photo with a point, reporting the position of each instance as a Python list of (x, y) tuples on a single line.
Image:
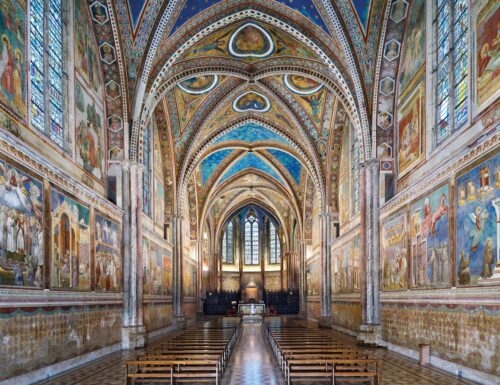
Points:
[(252, 363)]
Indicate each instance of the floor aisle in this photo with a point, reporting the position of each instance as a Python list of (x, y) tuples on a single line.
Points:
[(252, 363)]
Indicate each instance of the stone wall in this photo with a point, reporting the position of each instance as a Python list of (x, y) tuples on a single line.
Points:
[(33, 338), (346, 315), (157, 316), (468, 335), (313, 308)]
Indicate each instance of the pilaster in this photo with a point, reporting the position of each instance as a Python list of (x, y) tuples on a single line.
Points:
[(302, 280), (177, 298), (370, 332), (133, 330), (325, 319)]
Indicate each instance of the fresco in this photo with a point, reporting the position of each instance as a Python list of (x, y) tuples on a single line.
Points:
[(189, 278), (199, 85), (410, 129), (302, 85), (146, 272), (13, 61), (309, 93), (394, 252), (167, 272), (487, 47), (251, 133), (86, 52), (108, 260), (430, 240), (249, 42), (346, 268), (413, 52), (313, 278), (478, 215), (70, 243), (288, 161), (156, 266), (159, 201), (251, 101), (211, 162), (90, 145), (306, 8), (250, 160), (21, 228)]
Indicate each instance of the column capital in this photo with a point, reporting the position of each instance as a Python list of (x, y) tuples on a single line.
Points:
[(371, 162)]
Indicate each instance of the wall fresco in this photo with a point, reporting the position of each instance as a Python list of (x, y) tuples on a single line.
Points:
[(108, 260), (70, 243), (21, 228), (393, 252)]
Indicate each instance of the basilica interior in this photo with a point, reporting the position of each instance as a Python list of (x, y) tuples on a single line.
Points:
[(250, 192)]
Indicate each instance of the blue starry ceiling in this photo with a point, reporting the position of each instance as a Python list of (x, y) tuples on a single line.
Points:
[(249, 161), (135, 9), (192, 8), (362, 8), (210, 163), (250, 133), (289, 162)]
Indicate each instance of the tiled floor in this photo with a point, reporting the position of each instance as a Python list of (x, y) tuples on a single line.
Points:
[(252, 363)]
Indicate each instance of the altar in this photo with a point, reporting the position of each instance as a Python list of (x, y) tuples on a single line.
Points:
[(251, 311)]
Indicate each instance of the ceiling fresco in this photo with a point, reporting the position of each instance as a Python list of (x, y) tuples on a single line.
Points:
[(250, 161), (251, 133), (249, 41), (211, 162), (191, 8), (291, 163)]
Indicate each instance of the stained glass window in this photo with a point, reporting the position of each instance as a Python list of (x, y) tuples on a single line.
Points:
[(251, 241), (274, 245), (452, 66), (146, 175), (227, 245), (46, 68)]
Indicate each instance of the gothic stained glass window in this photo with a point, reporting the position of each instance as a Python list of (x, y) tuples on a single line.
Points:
[(47, 74), (251, 240), (146, 176), (452, 66), (274, 245), (227, 245)]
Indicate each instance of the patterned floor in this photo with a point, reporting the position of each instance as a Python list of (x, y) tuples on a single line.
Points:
[(252, 363)]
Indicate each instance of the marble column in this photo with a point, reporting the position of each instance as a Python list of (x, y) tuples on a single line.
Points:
[(177, 298), (302, 280), (370, 331), (325, 320), (133, 330)]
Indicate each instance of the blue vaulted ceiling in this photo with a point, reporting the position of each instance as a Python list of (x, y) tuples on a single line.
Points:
[(289, 162), (362, 8), (250, 133), (192, 8), (210, 163), (135, 8), (250, 160)]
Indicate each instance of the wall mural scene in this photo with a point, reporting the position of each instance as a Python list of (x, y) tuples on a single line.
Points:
[(108, 257), (478, 218), (70, 243), (394, 252), (488, 46), (13, 59), (21, 228), (346, 267), (90, 142), (313, 278), (430, 240)]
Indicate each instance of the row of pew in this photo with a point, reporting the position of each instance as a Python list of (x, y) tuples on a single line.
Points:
[(196, 355), (307, 354)]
